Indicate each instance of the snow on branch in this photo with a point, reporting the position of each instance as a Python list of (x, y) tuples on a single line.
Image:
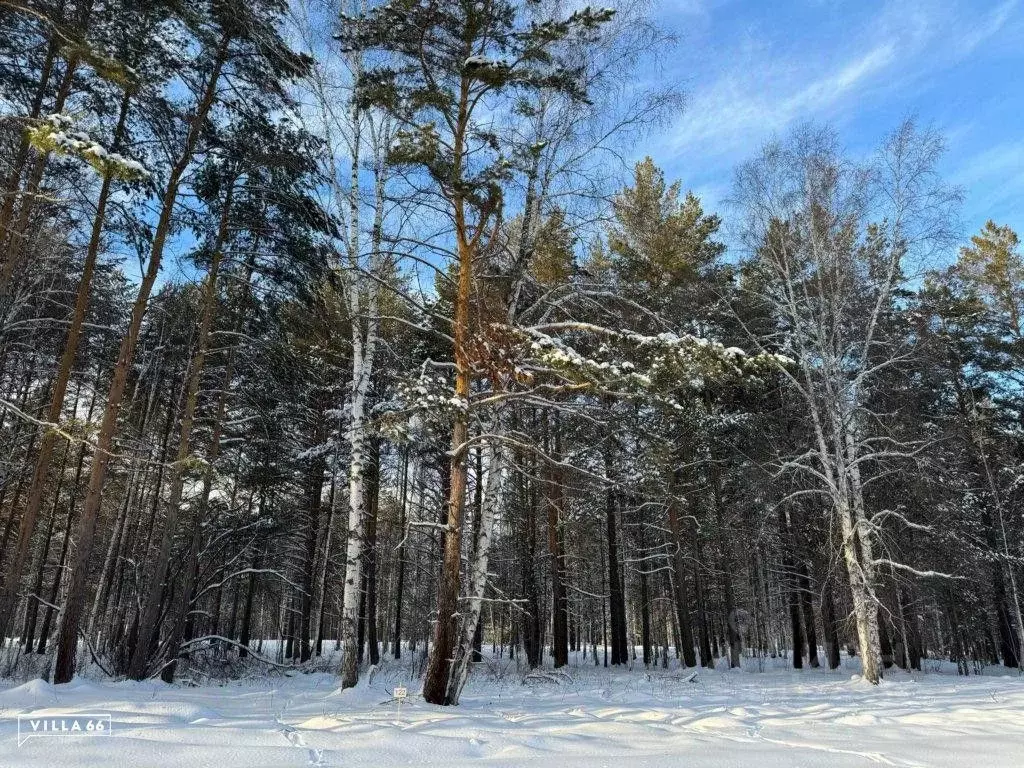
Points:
[(242, 572), (54, 134), (887, 513), (914, 571)]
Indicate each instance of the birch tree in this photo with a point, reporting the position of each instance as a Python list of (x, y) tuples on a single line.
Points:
[(832, 242), (356, 138)]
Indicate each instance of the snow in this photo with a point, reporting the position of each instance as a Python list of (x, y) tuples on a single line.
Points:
[(483, 61), (589, 718), (55, 128)]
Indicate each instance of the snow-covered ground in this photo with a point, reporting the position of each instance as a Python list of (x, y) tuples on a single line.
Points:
[(590, 718)]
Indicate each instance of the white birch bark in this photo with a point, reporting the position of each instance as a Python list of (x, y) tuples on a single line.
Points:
[(345, 127), (356, 430), (834, 302), (836, 454), (323, 554), (477, 572), (362, 294)]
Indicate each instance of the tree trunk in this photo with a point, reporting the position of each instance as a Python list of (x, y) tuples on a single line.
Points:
[(792, 586), (323, 559), (527, 555), (645, 619), (436, 684), (700, 600), (396, 645), (559, 627), (245, 633), (679, 578), (58, 575), (478, 571), (617, 606), (807, 609), (364, 344), (315, 489), (830, 625), (370, 551), (731, 619), (32, 607), (911, 631), (148, 623), (864, 611)]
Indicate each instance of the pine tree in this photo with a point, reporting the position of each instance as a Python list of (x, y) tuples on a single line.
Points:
[(230, 38), (451, 61)]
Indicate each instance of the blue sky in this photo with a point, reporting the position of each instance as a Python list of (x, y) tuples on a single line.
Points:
[(754, 68)]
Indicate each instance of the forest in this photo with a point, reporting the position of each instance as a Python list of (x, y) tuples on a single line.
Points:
[(337, 334)]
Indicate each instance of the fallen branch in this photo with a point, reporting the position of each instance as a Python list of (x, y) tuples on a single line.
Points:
[(547, 677), (229, 641)]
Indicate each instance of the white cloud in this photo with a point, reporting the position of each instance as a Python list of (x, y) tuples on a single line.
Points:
[(763, 95), (994, 185), (986, 27), (742, 91), (1001, 161), (691, 8)]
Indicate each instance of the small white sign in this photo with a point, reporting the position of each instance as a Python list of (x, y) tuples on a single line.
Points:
[(399, 695)]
